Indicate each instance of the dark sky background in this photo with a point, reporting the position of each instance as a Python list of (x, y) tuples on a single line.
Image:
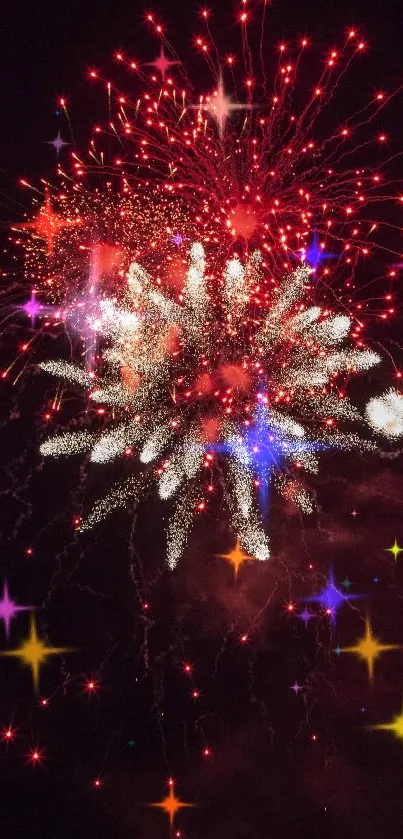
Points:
[(280, 765)]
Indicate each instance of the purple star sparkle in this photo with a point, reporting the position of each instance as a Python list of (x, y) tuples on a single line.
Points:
[(8, 608), (306, 616), (32, 308), (57, 143), (331, 598), (296, 688)]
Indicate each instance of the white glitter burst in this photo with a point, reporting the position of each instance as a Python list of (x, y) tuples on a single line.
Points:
[(385, 413), (185, 385), (73, 442), (64, 370)]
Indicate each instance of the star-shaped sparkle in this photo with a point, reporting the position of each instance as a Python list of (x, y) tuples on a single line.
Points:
[(31, 308), (296, 688), (331, 598), (266, 447), (368, 648), (236, 557), (34, 652), (8, 608), (395, 726), (221, 106), (46, 225), (57, 143), (305, 616), (162, 63), (395, 550), (171, 804), (314, 254)]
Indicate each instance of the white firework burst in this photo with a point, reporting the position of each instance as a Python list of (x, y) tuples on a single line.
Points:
[(182, 383), (385, 413)]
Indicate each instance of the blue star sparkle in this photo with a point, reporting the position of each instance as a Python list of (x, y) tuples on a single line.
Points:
[(264, 447), (331, 598), (313, 255)]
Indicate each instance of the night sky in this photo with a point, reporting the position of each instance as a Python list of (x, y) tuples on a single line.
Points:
[(256, 758)]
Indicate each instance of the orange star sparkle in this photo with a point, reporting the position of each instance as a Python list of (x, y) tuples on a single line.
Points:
[(237, 557), (171, 804), (46, 225), (368, 648), (34, 652)]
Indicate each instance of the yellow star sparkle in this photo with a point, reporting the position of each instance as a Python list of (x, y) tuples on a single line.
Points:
[(368, 648), (34, 652), (395, 726), (171, 804), (395, 550), (237, 557)]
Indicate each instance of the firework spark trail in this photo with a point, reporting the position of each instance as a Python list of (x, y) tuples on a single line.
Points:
[(272, 186)]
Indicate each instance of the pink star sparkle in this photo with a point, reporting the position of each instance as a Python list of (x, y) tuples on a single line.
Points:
[(8, 609)]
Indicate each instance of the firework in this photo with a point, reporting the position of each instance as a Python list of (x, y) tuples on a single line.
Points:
[(210, 385), (241, 164), (204, 252)]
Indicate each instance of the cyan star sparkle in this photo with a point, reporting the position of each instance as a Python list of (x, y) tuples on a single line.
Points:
[(347, 584)]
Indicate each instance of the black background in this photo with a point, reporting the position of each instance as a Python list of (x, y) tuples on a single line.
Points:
[(266, 777)]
